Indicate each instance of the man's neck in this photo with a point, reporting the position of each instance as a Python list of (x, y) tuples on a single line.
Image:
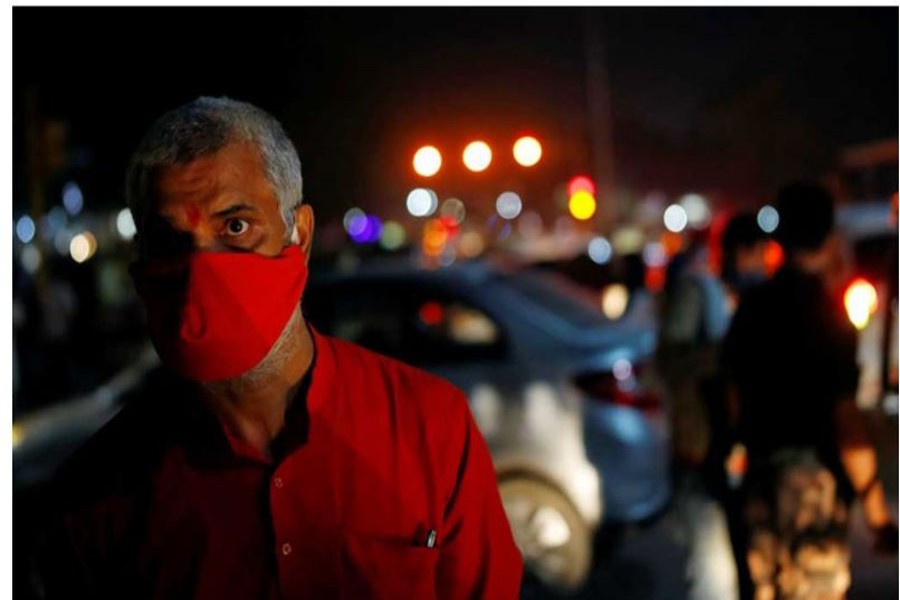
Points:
[(254, 412)]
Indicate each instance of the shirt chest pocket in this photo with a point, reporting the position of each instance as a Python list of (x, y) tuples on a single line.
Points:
[(388, 567)]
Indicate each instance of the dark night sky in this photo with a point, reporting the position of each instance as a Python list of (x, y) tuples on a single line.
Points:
[(728, 99)]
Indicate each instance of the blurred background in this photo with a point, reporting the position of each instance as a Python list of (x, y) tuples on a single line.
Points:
[(501, 196)]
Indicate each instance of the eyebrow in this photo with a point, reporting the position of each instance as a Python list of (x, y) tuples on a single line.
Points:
[(234, 208)]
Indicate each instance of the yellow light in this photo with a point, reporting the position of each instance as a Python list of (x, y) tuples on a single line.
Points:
[(17, 435), (83, 246), (427, 161), (614, 301), (861, 301), (527, 151), (582, 205), (477, 156)]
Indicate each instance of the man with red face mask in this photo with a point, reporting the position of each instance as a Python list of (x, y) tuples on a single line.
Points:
[(278, 463)]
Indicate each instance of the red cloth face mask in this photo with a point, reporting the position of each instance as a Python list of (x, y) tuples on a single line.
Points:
[(216, 315)]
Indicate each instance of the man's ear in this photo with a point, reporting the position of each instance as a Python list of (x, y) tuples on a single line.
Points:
[(305, 224)]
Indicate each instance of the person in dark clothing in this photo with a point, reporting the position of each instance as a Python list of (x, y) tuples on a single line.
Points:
[(790, 357)]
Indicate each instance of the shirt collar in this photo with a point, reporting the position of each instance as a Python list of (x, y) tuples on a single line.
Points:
[(208, 441)]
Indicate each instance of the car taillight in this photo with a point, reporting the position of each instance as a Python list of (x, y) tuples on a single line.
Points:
[(621, 387), (861, 302)]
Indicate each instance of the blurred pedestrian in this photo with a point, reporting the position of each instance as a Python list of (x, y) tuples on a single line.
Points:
[(790, 355), (697, 310), (270, 460)]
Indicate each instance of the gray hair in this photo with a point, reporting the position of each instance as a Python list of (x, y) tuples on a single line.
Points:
[(204, 126)]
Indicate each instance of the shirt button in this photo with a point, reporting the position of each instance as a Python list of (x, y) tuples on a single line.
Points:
[(286, 549), (278, 482)]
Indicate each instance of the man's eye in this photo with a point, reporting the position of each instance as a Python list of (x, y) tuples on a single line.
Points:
[(236, 227)]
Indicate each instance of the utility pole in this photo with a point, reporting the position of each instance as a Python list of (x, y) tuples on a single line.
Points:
[(599, 117)]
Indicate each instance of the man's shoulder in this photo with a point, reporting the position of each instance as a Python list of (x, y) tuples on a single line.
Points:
[(125, 450)]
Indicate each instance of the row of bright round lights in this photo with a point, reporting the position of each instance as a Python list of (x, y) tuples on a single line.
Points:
[(477, 156)]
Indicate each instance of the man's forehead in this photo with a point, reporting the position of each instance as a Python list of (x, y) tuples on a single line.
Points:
[(235, 170)]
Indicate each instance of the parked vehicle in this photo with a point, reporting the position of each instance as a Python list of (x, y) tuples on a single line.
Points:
[(563, 395), (870, 232)]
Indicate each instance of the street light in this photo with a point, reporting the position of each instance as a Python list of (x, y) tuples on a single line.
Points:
[(477, 156), (427, 161), (527, 151)]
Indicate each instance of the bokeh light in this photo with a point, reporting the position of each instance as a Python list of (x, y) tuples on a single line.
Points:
[(351, 219), (431, 313), (622, 369), (454, 207), (61, 241), (773, 256), (614, 301), (427, 161), (421, 202), (767, 218), (672, 242), (477, 156), (582, 205), (125, 224), (509, 205), (31, 259), (393, 236), (581, 183), (675, 218), (527, 151), (365, 229), (25, 229), (435, 237), (83, 246), (697, 210), (861, 302), (627, 240), (600, 250), (655, 255), (471, 244), (72, 198)]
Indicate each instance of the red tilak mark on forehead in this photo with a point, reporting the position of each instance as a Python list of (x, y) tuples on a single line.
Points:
[(193, 215)]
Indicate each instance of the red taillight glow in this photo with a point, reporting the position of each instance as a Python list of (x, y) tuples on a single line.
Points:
[(605, 387), (431, 313)]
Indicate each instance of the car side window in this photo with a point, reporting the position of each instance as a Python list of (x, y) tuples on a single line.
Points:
[(413, 322)]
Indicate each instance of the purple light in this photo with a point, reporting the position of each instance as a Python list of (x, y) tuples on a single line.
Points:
[(357, 226), (365, 229)]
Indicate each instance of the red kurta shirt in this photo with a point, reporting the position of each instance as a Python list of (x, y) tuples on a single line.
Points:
[(380, 487)]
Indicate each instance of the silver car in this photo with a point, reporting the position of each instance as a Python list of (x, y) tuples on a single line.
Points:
[(563, 395)]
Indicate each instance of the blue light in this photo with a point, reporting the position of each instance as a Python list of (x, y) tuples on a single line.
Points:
[(600, 250), (72, 197), (25, 229)]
